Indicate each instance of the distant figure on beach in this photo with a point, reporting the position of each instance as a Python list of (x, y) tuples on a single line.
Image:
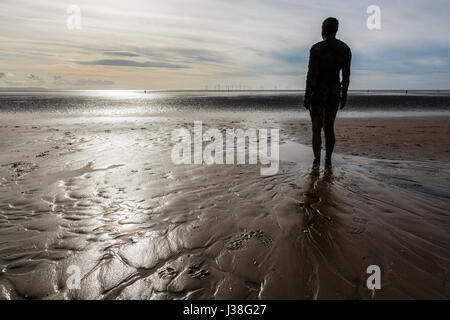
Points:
[(325, 93)]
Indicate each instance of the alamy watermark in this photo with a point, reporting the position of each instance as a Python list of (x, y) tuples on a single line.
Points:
[(213, 151), (374, 20), (374, 280), (73, 21), (74, 280)]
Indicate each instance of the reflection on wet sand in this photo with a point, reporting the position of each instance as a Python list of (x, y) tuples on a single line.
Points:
[(352, 222), (317, 193)]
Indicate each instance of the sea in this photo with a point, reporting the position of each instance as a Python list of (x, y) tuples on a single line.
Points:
[(165, 103)]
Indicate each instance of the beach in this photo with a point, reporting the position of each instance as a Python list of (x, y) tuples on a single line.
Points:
[(163, 151), (101, 195), (404, 138)]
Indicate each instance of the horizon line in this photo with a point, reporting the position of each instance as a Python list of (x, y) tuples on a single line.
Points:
[(43, 89)]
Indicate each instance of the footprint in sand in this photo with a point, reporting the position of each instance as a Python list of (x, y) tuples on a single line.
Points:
[(357, 230), (360, 220), (197, 273), (360, 226), (21, 168), (244, 237), (167, 273), (43, 154)]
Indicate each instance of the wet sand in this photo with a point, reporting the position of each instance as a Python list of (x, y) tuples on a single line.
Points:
[(102, 194), (414, 138)]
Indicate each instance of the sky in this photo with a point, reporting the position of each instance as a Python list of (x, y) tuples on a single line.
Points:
[(204, 44)]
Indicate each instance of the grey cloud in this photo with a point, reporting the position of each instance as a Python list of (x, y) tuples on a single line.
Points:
[(288, 61), (131, 63), (198, 54), (430, 58), (183, 54), (295, 55), (121, 53), (61, 81), (34, 77)]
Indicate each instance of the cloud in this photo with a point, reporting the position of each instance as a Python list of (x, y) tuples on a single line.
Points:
[(417, 59), (263, 42), (61, 81), (34, 77), (121, 53), (92, 82), (196, 54), (131, 63)]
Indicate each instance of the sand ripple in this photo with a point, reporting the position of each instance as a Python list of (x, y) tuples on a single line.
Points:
[(105, 197)]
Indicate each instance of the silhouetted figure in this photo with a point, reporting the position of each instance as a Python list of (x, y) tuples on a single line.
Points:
[(324, 90)]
